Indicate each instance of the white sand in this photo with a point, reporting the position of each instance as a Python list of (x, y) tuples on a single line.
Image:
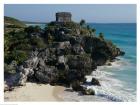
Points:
[(35, 92)]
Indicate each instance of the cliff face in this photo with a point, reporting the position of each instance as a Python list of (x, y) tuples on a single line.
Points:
[(67, 60)]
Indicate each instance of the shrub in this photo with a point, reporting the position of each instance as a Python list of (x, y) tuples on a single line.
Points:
[(19, 56), (37, 42), (10, 68), (32, 29), (101, 36), (82, 22)]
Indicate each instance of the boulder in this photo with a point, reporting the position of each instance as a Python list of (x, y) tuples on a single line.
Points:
[(31, 62), (6, 87), (108, 64), (20, 79), (46, 74), (61, 59), (86, 91), (76, 86), (122, 53), (94, 81), (83, 80)]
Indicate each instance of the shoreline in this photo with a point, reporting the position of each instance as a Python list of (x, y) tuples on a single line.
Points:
[(57, 91), (34, 92)]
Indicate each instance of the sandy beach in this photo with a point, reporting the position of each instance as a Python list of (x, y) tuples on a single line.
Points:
[(35, 92)]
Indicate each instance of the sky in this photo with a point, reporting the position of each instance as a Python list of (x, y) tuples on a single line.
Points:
[(97, 13)]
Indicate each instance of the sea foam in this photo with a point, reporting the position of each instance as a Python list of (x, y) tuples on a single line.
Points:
[(111, 89)]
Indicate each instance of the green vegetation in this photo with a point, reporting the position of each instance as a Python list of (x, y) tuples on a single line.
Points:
[(101, 36), (13, 23), (32, 29), (19, 42), (82, 22), (93, 31), (61, 53), (71, 28)]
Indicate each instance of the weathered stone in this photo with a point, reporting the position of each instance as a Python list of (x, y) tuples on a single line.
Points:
[(94, 81), (77, 49), (76, 85), (86, 91), (46, 74), (61, 59), (6, 87), (21, 79)]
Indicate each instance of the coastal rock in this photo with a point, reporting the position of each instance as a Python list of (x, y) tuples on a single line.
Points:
[(46, 74), (76, 85), (79, 62), (86, 91), (71, 53), (61, 59), (21, 79), (79, 66), (77, 49), (108, 63), (6, 87), (101, 50), (23, 74), (67, 61), (94, 81), (99, 57), (30, 63), (122, 53), (61, 45)]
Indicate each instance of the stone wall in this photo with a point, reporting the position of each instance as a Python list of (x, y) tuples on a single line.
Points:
[(63, 17)]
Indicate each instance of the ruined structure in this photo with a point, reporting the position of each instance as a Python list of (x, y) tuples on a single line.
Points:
[(63, 17)]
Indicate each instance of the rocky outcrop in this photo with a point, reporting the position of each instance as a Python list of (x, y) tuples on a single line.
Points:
[(101, 50), (45, 74), (67, 61)]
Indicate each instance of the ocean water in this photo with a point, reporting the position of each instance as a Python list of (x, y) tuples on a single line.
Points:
[(118, 81)]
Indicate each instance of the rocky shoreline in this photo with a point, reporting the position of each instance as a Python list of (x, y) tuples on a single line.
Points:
[(67, 62), (72, 52)]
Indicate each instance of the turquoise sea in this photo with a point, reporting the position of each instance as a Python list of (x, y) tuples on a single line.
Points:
[(118, 82)]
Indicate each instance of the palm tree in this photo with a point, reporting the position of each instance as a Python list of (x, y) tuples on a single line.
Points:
[(82, 22), (101, 36), (88, 27), (93, 31)]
